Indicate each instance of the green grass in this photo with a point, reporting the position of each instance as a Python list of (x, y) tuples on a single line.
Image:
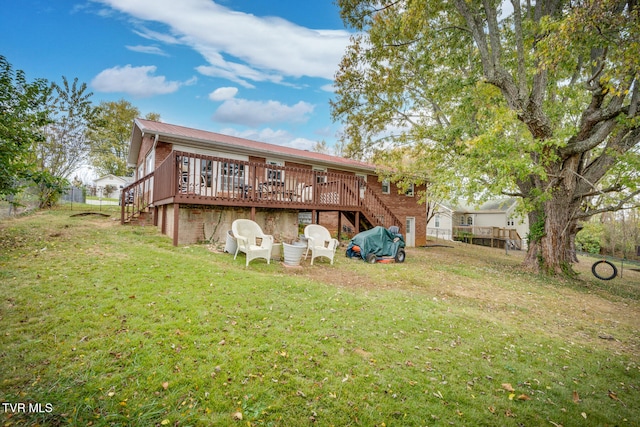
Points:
[(113, 326)]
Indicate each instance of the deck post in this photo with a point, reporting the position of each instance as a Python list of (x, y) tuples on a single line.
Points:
[(163, 225), (314, 216), (253, 213), (122, 207), (339, 224), (357, 222), (176, 221)]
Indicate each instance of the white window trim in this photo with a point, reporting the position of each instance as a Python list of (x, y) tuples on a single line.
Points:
[(388, 184), (277, 175), (320, 179), (411, 191), (149, 163)]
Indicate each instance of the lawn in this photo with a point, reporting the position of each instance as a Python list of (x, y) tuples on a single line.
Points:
[(110, 325)]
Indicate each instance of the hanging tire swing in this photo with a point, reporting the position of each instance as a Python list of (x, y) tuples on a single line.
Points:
[(604, 270)]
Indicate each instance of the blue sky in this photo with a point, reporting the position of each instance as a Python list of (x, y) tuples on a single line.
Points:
[(256, 69)]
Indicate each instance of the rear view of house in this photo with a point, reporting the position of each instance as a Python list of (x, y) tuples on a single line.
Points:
[(194, 183)]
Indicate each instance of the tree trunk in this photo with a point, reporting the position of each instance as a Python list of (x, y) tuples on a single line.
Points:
[(550, 245), (533, 243), (555, 242)]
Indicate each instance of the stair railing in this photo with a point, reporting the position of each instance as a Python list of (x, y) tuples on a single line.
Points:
[(136, 198)]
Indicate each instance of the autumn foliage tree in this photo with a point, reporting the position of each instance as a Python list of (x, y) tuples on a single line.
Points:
[(534, 99)]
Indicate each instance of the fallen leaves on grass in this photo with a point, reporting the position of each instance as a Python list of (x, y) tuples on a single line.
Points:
[(576, 397), (508, 387), (613, 395)]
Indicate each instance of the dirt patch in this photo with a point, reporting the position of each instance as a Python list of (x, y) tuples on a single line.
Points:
[(90, 214)]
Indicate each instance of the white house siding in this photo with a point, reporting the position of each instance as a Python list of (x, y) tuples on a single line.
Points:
[(442, 228), (115, 181)]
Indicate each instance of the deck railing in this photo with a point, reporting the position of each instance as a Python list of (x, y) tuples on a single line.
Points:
[(377, 211), (489, 236), (136, 198), (486, 232), (200, 179)]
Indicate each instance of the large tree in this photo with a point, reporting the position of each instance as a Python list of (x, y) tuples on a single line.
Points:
[(23, 114), (535, 99), (111, 136), (65, 146)]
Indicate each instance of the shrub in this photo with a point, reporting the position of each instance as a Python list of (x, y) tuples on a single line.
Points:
[(588, 239)]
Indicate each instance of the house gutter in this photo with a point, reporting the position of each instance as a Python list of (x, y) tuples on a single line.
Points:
[(155, 143)]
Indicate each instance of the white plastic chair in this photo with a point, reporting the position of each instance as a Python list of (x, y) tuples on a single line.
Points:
[(247, 233), (320, 242), (304, 192)]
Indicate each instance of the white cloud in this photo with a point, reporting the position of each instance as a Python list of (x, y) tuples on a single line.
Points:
[(240, 46), (155, 35), (153, 50), (255, 113), (271, 136), (302, 144), (223, 93), (328, 88), (136, 81)]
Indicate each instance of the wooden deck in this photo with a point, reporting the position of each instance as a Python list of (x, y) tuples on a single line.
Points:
[(494, 237), (187, 178)]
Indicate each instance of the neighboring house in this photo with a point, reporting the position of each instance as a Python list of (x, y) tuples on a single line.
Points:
[(113, 183), (194, 183), (492, 223), (441, 224)]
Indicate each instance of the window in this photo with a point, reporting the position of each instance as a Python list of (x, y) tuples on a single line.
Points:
[(386, 186), (321, 175), (274, 174), (437, 220), (232, 175), (511, 222), (410, 191), (207, 171), (469, 220), (462, 220)]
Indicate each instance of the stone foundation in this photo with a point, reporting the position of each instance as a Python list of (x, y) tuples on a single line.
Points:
[(199, 224)]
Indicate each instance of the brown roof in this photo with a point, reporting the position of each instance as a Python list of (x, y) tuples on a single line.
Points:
[(185, 135)]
